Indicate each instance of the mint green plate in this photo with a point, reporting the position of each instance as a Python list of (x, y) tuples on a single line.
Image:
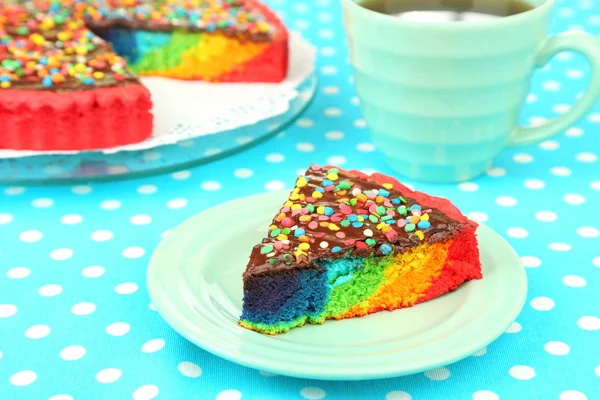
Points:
[(195, 282)]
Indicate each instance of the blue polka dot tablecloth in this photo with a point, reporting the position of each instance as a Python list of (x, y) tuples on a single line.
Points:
[(76, 321)]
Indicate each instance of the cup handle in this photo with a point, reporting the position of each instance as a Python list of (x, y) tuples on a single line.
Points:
[(589, 47)]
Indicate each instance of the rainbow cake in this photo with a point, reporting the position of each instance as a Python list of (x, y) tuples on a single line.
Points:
[(69, 68), (346, 245)]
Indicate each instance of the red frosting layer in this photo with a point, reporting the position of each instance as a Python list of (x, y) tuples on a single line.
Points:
[(80, 120)]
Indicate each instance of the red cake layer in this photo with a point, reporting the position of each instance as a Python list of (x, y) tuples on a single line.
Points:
[(79, 120)]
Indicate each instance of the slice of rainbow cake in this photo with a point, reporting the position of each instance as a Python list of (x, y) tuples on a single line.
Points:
[(346, 244)]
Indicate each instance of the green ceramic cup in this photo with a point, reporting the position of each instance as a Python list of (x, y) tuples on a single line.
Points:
[(443, 99)]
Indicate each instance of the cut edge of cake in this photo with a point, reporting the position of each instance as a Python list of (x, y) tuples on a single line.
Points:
[(390, 271)]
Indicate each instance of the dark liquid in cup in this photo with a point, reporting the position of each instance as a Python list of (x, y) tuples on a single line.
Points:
[(447, 10)]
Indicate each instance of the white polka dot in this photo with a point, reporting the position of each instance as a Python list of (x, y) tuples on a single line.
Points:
[(243, 173), (589, 323), (574, 73), (546, 216), (355, 100), (327, 52), (61, 397), (37, 332), (532, 98), (177, 203), (5, 218), (108, 375), (93, 271), (438, 374), (189, 369), (517, 232), (312, 393), (181, 175), (514, 328), (110, 204), (31, 236), (140, 219), (152, 346), (557, 246), (336, 160), (551, 86), (523, 158), (480, 353), (72, 353), (23, 378), (564, 56), (334, 135), (398, 395), (14, 190), (468, 186), (152, 307), (557, 348), (101, 236), (305, 147), (572, 395), (301, 24), (333, 112), (42, 203), (542, 303), (594, 117), (274, 185), (230, 394), (597, 370), (534, 184), (133, 252), (83, 308), (549, 145), (560, 171), (305, 123), (595, 185), (126, 288), (118, 329), (50, 290), (559, 109), (522, 372), (147, 189), (275, 157), (83, 189), (574, 132), (478, 216), (588, 232), (531, 261), (18, 272), (151, 155), (360, 123), (326, 33), (61, 254), (212, 151), (331, 90), (506, 201), (485, 395), (574, 199), (365, 147), (71, 219), (587, 157)]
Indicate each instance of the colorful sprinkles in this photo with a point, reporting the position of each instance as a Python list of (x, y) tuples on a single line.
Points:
[(325, 200)]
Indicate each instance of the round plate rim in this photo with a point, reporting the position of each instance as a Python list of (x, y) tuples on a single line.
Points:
[(164, 306)]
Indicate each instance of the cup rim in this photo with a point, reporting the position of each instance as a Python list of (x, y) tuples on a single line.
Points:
[(546, 6)]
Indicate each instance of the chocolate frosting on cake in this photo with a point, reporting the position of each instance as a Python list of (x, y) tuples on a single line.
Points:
[(322, 220)]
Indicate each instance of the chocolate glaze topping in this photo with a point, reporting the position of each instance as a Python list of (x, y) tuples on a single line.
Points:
[(330, 226)]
